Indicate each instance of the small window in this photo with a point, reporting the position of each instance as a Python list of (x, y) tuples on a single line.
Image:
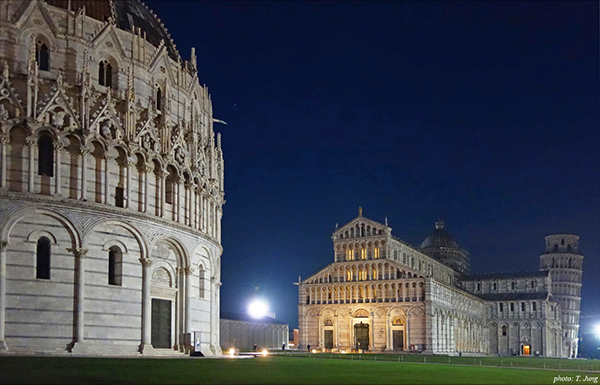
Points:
[(43, 258), (494, 286), (158, 98), (478, 286), (115, 266), (45, 156), (501, 307), (534, 306), (201, 283), (377, 253), (42, 56), (533, 284), (513, 286), (512, 306), (105, 73), (504, 330), (119, 197), (522, 306)]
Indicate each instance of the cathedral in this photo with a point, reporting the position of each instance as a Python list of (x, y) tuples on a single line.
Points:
[(111, 184), (381, 294)]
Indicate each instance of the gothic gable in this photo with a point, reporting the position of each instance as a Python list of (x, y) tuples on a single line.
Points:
[(57, 109), (106, 122), (38, 13), (10, 104), (108, 37), (361, 222)]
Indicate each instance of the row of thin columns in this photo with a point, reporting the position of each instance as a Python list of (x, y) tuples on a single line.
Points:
[(195, 203), (390, 271), (406, 293)]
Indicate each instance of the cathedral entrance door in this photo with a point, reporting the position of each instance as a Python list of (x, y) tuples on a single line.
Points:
[(161, 323), (361, 335), (328, 339), (398, 336)]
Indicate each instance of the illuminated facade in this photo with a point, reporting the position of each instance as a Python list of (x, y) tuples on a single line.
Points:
[(111, 184), (382, 294)]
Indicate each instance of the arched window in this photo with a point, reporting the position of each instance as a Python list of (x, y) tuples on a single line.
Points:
[(512, 286), (43, 258), (105, 73), (376, 254), (115, 266), (45, 156), (42, 56), (504, 330), (158, 98), (363, 253), (201, 282)]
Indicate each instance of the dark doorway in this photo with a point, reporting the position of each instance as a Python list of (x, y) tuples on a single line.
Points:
[(398, 339), (161, 323), (361, 332), (328, 339)]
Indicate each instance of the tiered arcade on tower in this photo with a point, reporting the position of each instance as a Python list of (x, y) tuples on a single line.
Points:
[(564, 262)]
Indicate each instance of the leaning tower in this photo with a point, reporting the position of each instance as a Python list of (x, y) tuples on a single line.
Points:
[(564, 262)]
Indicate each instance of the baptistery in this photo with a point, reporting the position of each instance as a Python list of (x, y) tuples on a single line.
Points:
[(111, 184)]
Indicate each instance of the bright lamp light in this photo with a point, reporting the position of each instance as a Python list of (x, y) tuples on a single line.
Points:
[(597, 330), (258, 308)]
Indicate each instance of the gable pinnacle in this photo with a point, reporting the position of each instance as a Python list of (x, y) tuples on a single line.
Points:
[(359, 211)]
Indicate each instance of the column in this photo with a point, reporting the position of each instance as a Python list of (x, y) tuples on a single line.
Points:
[(84, 153), (142, 172), (371, 329), (58, 147), (4, 140), (188, 271), (149, 169), (3, 246), (196, 208), (130, 164), (146, 345), (32, 145), (79, 255), (187, 211), (387, 333), (162, 175), (320, 345), (105, 196), (407, 347)]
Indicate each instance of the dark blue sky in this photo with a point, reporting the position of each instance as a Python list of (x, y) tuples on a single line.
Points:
[(483, 114)]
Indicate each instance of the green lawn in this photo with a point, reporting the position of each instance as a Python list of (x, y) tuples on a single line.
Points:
[(260, 370), (528, 362)]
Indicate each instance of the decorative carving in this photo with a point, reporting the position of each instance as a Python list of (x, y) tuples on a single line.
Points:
[(78, 253), (146, 262), (161, 277), (188, 270)]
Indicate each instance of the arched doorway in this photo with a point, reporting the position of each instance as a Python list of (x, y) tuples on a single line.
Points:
[(398, 334), (361, 336)]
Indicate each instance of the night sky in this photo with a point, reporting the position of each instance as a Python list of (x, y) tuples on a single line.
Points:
[(483, 114)]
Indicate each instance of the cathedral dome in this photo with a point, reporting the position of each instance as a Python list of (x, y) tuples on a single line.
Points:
[(439, 238), (128, 15)]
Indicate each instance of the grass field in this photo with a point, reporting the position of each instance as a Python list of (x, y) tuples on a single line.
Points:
[(522, 362), (263, 370)]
